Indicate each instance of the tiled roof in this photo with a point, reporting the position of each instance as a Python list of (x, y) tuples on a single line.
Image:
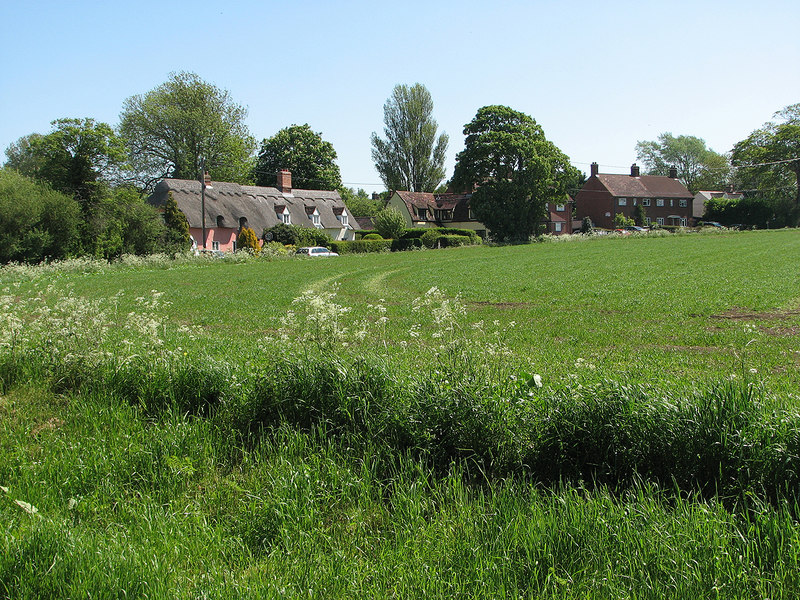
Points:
[(458, 203), (645, 186)]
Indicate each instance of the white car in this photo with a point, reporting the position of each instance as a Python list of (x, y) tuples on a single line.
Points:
[(315, 251)]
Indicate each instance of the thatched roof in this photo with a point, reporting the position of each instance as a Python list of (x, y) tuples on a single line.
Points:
[(258, 205)]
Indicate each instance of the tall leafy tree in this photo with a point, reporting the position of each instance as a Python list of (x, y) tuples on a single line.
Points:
[(302, 151), (412, 156), (699, 167), (516, 170), (170, 128), (769, 159), (79, 157)]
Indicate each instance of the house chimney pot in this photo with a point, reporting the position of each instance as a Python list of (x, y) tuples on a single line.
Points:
[(285, 181), (673, 172), (595, 169), (634, 170)]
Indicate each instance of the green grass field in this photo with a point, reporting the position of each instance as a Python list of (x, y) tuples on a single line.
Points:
[(609, 418)]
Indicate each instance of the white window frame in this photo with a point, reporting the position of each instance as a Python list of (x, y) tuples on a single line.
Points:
[(215, 245), (557, 227), (622, 202), (683, 221), (660, 221), (647, 221), (315, 219), (659, 202), (285, 216), (684, 203), (343, 218), (645, 201), (560, 208)]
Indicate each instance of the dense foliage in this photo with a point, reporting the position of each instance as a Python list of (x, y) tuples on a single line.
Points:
[(36, 222), (412, 156), (171, 129), (515, 169), (699, 168), (389, 223), (247, 240), (302, 151), (768, 160)]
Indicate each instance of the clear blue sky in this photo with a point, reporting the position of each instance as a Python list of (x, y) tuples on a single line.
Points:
[(598, 76)]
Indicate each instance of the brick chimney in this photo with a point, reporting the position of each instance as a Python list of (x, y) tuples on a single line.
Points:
[(634, 170), (595, 169), (285, 181), (673, 172)]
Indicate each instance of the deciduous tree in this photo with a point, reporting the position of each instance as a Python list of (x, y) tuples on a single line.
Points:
[(79, 157), (699, 168), (303, 152), (36, 222), (769, 159), (412, 156), (170, 128), (515, 169)]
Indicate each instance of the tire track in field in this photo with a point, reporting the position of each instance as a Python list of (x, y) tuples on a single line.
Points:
[(374, 285)]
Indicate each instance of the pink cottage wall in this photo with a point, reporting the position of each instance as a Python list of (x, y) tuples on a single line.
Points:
[(226, 236)]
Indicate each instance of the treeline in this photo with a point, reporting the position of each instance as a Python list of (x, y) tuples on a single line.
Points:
[(40, 223)]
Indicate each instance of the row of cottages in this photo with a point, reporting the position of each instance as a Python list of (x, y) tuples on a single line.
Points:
[(229, 207), (665, 200), (425, 209)]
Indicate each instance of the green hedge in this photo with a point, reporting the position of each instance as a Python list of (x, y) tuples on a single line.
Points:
[(361, 246), (365, 246)]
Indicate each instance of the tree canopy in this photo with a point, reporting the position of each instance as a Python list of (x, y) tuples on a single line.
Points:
[(303, 152), (517, 171), (172, 127), (78, 157), (769, 159), (411, 157), (699, 168)]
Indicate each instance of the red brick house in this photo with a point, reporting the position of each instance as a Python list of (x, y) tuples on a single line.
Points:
[(666, 200)]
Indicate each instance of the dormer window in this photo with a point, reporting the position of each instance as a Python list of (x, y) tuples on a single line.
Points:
[(313, 214), (220, 221), (423, 214), (283, 214), (559, 208), (343, 219)]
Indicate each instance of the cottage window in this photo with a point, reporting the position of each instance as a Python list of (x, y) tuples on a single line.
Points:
[(559, 208), (557, 227), (623, 202), (660, 221), (423, 214), (220, 221), (215, 245), (314, 216), (683, 222), (645, 201), (683, 203), (671, 202), (343, 218), (647, 220), (660, 202)]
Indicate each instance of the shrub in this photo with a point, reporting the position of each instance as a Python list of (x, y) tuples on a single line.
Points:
[(430, 238), (453, 241), (361, 246), (390, 223), (288, 235), (313, 237), (247, 240), (372, 236)]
